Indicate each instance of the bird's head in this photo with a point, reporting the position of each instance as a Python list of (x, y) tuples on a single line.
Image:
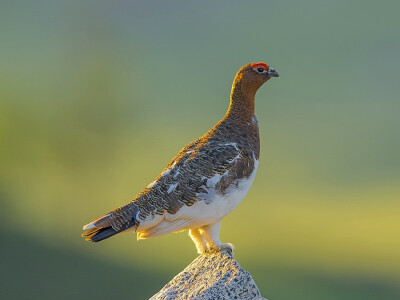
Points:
[(252, 76), (261, 70)]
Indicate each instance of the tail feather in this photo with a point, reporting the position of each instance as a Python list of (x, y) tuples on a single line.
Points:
[(100, 222), (100, 234), (111, 224), (90, 232)]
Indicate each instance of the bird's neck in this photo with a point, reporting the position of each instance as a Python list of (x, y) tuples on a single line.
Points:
[(242, 103)]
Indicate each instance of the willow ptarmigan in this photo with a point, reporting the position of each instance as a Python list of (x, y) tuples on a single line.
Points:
[(204, 182)]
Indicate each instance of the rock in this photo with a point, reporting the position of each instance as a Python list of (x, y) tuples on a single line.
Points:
[(211, 276)]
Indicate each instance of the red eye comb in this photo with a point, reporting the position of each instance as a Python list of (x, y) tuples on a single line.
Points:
[(259, 64)]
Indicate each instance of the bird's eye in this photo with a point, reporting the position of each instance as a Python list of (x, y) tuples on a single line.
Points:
[(260, 70)]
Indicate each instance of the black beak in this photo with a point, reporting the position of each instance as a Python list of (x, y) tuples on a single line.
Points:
[(272, 72)]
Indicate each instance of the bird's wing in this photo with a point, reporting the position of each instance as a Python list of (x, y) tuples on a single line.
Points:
[(205, 169)]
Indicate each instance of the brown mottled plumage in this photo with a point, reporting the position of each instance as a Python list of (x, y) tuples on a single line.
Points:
[(204, 181)]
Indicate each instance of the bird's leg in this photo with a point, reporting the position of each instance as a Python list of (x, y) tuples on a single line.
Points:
[(198, 239), (211, 234)]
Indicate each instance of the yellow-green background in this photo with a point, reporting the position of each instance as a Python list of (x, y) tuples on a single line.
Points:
[(97, 96)]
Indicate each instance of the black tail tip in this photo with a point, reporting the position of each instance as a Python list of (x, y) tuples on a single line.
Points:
[(101, 234)]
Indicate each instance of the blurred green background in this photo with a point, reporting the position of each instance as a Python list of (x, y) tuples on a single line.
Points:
[(98, 96)]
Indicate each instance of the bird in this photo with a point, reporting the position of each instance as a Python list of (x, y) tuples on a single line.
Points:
[(204, 182)]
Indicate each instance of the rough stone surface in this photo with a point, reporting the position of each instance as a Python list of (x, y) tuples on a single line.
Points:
[(211, 276)]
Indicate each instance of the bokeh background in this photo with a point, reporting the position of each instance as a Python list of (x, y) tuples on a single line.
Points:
[(97, 97)]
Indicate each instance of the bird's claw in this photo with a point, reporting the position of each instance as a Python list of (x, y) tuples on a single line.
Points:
[(227, 248)]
